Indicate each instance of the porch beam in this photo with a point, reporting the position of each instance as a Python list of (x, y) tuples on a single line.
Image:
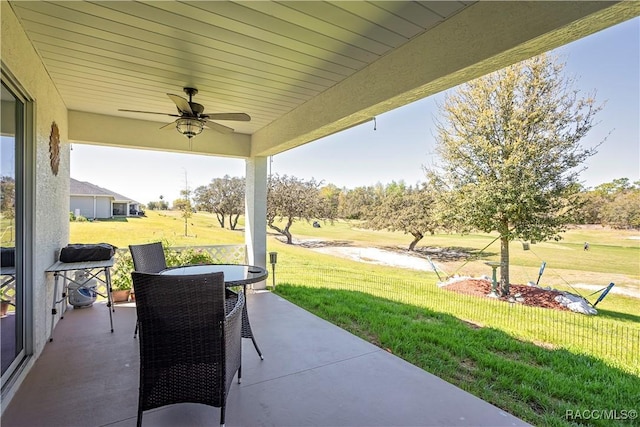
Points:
[(100, 129)]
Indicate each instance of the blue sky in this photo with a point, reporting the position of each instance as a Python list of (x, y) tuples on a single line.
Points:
[(403, 142)]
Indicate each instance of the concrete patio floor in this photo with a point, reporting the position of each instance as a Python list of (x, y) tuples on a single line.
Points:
[(313, 374)]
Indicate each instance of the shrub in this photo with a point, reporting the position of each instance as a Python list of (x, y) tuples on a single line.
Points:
[(194, 256), (121, 273)]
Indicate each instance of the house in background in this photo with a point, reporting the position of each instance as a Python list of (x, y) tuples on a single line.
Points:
[(91, 201)]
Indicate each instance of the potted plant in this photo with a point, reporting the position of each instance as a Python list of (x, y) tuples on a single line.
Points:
[(121, 283), (120, 295)]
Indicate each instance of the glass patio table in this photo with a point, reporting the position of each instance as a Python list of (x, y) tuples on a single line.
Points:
[(234, 275)]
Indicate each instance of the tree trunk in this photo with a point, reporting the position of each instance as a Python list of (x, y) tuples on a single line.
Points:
[(504, 267), (233, 221), (284, 231), (417, 236), (220, 217), (287, 233)]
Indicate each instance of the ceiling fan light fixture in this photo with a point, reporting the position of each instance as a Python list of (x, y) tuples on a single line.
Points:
[(191, 120), (189, 127)]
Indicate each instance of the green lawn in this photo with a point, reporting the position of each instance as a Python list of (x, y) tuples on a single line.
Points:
[(202, 229), (7, 231), (537, 384)]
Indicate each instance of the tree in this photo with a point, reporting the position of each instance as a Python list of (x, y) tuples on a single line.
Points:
[(207, 199), (356, 203), (610, 203), (509, 145), (235, 201), (330, 195), (184, 204), (289, 199), (621, 207), (611, 189), (159, 205), (7, 197), (224, 197), (405, 209), (590, 210), (624, 210)]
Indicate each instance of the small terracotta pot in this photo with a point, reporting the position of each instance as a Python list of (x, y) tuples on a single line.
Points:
[(4, 308), (120, 295)]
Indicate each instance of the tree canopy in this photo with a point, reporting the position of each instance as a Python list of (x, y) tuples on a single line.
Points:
[(404, 208), (510, 153), (224, 197), (7, 196), (290, 199)]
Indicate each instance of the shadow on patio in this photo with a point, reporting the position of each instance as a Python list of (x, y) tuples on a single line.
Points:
[(314, 374)]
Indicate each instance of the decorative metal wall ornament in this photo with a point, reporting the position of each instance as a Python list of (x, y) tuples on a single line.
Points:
[(54, 148)]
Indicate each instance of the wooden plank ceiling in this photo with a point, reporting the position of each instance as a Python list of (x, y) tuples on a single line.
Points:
[(262, 58)]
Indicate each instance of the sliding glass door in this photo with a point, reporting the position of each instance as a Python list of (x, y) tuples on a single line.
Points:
[(12, 230)]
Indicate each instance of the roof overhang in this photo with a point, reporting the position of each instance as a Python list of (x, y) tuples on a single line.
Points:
[(483, 38), (330, 76)]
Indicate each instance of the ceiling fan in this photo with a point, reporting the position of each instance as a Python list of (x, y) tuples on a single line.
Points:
[(191, 120)]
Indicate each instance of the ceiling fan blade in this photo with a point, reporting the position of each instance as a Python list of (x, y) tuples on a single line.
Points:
[(218, 127), (239, 117), (148, 112), (168, 124), (181, 103)]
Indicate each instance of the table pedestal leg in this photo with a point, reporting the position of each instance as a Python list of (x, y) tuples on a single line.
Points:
[(246, 326)]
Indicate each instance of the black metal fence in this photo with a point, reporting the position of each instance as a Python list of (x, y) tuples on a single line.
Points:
[(613, 340)]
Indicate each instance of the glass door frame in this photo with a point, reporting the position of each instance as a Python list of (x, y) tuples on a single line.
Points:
[(24, 221)]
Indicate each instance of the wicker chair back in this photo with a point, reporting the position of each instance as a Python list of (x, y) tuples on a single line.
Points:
[(148, 258), (190, 349)]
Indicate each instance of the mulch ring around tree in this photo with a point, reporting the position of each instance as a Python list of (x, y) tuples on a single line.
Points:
[(519, 294)]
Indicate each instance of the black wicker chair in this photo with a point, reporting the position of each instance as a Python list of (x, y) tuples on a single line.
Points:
[(147, 258), (190, 349)]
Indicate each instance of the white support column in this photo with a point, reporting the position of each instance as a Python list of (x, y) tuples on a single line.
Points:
[(255, 233)]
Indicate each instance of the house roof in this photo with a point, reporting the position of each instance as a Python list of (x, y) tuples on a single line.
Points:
[(83, 188)]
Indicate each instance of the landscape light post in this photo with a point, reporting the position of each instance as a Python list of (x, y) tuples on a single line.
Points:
[(273, 259)]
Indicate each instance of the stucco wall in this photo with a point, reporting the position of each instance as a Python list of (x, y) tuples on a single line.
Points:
[(82, 203), (88, 209), (51, 198), (103, 208)]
